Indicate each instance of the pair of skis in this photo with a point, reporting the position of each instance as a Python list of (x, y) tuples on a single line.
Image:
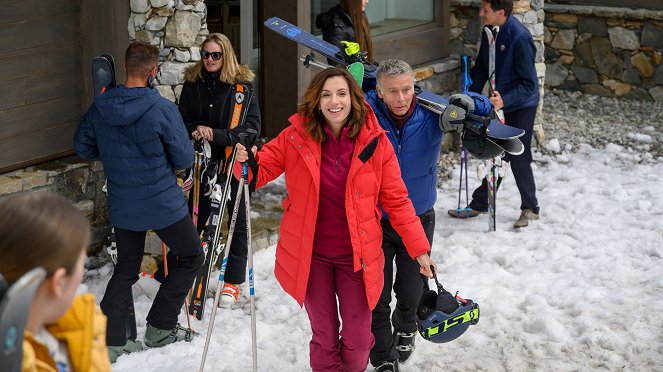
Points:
[(503, 136), (243, 189), (496, 163)]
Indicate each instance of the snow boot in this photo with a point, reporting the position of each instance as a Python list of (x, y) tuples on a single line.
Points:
[(229, 295), (131, 346), (464, 213), (525, 216), (404, 342), (155, 337)]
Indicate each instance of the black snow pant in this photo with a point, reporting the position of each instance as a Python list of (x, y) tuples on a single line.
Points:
[(408, 286), (183, 241), (521, 165)]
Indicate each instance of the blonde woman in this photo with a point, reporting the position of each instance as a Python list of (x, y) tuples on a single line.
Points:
[(206, 105)]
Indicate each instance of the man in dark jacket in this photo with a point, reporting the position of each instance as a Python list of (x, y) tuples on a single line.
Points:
[(416, 136), (140, 139), (516, 93)]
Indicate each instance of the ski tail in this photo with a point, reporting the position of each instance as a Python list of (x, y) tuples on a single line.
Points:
[(14, 302), (103, 73)]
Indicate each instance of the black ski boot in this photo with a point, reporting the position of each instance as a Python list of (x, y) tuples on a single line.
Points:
[(388, 366), (404, 342)]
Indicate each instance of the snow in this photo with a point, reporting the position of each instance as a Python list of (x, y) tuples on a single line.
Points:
[(553, 145), (581, 289)]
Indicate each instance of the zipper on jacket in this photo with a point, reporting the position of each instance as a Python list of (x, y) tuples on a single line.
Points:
[(337, 170), (363, 265)]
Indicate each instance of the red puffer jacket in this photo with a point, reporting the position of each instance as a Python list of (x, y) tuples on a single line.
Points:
[(374, 177)]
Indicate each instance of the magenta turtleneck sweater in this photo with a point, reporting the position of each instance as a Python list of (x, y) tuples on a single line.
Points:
[(332, 235)]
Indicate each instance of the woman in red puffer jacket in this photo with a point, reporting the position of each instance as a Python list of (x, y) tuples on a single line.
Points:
[(338, 166)]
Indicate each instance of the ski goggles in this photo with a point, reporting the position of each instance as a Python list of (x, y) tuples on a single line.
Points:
[(215, 55)]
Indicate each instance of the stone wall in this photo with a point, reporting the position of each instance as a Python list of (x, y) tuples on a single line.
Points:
[(79, 181), (177, 27), (614, 52), (467, 28)]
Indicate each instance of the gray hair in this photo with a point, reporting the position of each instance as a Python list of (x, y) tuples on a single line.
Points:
[(393, 67)]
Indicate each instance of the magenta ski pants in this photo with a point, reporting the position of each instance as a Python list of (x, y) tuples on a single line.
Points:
[(333, 348)]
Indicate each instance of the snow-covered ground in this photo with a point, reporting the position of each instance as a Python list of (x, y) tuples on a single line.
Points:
[(579, 290)]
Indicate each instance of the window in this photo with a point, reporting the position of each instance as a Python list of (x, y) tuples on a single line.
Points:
[(416, 31), (387, 16)]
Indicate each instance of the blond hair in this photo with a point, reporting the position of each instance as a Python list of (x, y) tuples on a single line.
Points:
[(231, 72)]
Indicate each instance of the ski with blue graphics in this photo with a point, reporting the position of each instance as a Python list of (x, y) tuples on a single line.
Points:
[(433, 102), (491, 128)]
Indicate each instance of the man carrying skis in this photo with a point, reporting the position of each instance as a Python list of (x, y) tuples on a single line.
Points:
[(516, 93), (416, 136), (140, 139)]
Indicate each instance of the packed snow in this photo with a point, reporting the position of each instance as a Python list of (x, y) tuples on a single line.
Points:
[(581, 289)]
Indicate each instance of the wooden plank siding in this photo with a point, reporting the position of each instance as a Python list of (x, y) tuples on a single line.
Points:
[(45, 83)]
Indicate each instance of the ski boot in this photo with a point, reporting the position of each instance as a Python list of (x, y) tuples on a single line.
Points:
[(404, 342), (155, 337), (131, 346), (229, 295)]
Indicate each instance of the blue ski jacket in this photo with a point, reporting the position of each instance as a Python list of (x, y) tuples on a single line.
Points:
[(515, 73), (417, 146), (140, 138)]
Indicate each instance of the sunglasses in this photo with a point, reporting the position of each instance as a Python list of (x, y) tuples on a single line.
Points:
[(215, 55)]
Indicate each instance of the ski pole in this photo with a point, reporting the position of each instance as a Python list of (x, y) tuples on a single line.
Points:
[(222, 273), (254, 344), (467, 81)]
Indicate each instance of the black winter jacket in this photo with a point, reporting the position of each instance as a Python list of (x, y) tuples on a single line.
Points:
[(207, 102), (336, 26)]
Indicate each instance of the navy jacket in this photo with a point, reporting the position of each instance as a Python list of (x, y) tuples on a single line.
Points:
[(417, 146), (515, 73), (140, 138)]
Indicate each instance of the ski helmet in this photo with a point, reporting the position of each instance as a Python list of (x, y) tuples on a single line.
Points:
[(480, 146), (443, 317)]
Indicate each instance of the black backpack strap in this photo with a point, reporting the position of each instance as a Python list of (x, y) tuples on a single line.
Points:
[(368, 151)]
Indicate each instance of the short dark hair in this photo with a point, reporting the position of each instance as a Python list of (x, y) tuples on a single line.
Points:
[(506, 5), (140, 58)]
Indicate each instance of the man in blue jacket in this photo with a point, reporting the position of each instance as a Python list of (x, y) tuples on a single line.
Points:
[(516, 93), (416, 136), (140, 138)]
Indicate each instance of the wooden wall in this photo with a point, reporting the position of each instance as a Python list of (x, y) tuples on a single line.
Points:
[(45, 75), (278, 94)]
